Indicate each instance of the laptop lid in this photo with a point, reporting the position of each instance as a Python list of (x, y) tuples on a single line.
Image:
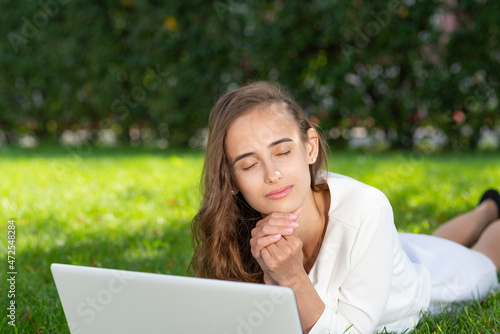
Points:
[(97, 300)]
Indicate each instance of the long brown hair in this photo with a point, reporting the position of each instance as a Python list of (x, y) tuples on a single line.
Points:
[(222, 226)]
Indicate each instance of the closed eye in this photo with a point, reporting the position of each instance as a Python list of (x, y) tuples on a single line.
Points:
[(249, 167), (278, 155), (284, 153)]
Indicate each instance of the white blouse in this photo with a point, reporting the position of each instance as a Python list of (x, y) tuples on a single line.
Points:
[(362, 273)]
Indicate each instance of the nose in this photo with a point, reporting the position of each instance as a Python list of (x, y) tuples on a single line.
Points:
[(272, 174)]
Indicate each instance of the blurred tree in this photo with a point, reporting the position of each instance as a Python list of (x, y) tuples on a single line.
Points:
[(130, 65)]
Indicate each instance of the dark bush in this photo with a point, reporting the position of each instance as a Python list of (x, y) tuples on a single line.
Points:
[(394, 66)]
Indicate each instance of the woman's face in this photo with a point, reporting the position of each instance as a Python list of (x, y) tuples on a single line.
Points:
[(269, 159)]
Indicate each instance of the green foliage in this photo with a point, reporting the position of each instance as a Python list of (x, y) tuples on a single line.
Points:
[(131, 209), (481, 317), (392, 65)]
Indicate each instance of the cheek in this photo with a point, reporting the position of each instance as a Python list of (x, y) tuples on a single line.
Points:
[(301, 176), (297, 167), (245, 183), (248, 186)]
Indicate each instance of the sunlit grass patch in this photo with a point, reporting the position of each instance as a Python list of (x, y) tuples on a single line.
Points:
[(131, 209)]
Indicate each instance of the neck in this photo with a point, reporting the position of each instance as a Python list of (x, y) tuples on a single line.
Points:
[(313, 223)]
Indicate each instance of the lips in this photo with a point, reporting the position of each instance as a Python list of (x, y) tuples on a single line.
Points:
[(279, 192)]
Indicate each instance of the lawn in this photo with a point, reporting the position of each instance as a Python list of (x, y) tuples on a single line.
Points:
[(131, 209)]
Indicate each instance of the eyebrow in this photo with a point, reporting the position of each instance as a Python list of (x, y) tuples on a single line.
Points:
[(274, 143)]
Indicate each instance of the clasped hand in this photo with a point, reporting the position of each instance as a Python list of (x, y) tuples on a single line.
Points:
[(277, 248)]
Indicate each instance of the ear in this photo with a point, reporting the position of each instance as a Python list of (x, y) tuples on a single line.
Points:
[(312, 145), (234, 187)]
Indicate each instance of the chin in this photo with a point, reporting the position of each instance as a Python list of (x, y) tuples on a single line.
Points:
[(287, 206)]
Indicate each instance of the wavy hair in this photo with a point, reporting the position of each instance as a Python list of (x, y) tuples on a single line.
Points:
[(221, 228)]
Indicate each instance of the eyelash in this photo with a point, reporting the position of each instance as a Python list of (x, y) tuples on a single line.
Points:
[(281, 154)]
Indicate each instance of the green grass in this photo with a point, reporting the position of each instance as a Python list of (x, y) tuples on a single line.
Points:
[(131, 209)]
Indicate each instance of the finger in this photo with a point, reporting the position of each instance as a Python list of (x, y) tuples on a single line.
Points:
[(276, 255), (277, 215), (289, 243), (297, 211), (258, 244), (272, 230), (275, 222), (266, 256)]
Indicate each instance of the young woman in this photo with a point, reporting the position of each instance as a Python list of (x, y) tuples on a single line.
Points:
[(271, 214)]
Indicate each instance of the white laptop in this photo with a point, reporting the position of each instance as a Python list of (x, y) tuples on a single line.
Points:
[(108, 301)]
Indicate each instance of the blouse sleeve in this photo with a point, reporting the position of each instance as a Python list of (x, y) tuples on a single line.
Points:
[(364, 293)]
